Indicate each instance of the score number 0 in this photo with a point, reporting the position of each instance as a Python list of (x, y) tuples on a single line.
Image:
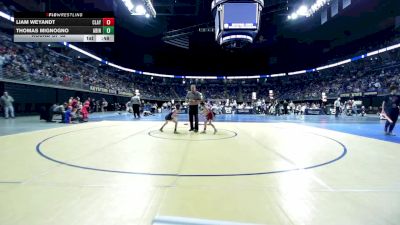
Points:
[(108, 21), (108, 25)]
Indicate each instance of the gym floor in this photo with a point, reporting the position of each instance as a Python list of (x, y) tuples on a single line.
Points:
[(256, 170)]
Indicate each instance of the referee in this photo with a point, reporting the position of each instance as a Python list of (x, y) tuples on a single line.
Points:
[(135, 101), (194, 97)]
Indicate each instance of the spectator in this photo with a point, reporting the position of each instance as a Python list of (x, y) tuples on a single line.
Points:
[(104, 105), (38, 64), (7, 104)]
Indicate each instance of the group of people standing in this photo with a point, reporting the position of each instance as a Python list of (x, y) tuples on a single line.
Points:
[(390, 109), (194, 98), (349, 107), (72, 111), (75, 109)]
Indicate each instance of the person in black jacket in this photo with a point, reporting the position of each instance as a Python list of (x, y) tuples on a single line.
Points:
[(391, 110)]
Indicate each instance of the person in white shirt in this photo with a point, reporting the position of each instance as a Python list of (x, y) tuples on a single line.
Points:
[(355, 108), (298, 109), (336, 104), (258, 105), (129, 108), (164, 106), (104, 105), (7, 102), (234, 106), (291, 107), (303, 109)]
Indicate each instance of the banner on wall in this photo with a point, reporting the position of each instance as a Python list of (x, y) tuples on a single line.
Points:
[(227, 110), (334, 8), (103, 90), (314, 112), (370, 93), (346, 3), (98, 89), (244, 111), (359, 94), (254, 96), (125, 93), (356, 94), (345, 95), (324, 16), (271, 94)]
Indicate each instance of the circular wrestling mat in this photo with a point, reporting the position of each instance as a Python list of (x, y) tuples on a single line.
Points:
[(192, 136), (236, 150)]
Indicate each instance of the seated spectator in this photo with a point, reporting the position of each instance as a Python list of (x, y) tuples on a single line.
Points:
[(68, 115), (59, 110)]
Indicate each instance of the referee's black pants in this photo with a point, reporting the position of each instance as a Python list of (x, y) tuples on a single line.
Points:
[(337, 111), (136, 110), (393, 115), (194, 114)]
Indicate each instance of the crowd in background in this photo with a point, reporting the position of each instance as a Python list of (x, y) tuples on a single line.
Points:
[(33, 62)]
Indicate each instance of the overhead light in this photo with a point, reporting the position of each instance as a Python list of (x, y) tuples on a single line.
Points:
[(128, 4), (140, 10), (316, 6), (302, 11), (146, 7), (150, 8), (6, 16), (308, 11), (289, 17)]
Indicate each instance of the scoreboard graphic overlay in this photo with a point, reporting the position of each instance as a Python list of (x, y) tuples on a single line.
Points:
[(60, 27)]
